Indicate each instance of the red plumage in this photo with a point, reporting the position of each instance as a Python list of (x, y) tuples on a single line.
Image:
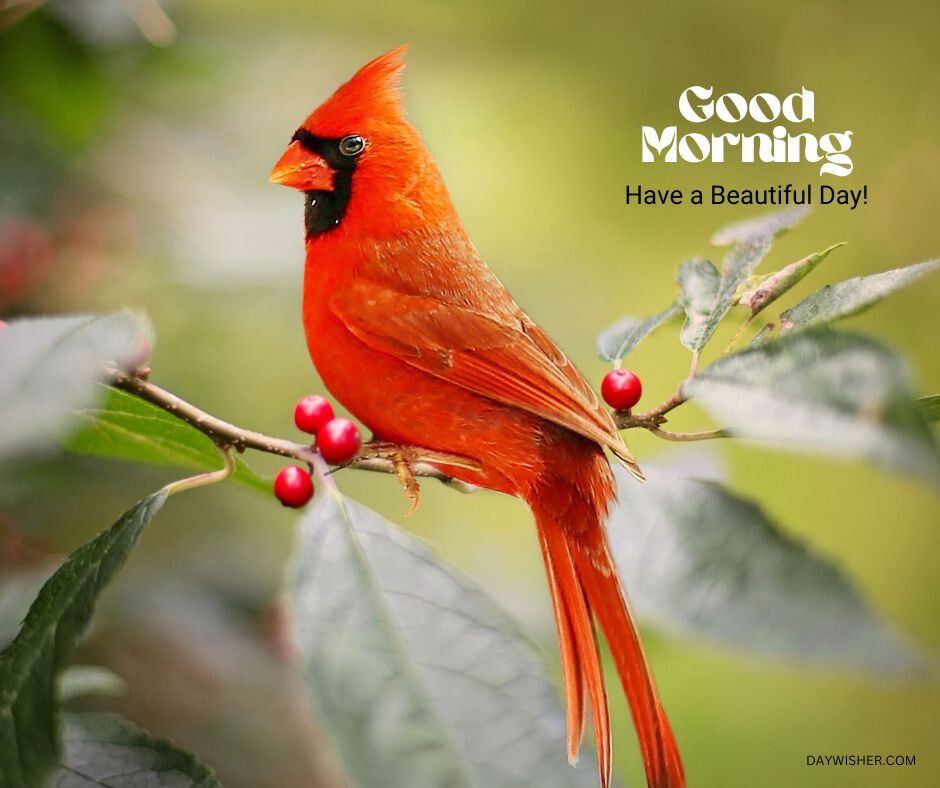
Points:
[(393, 285)]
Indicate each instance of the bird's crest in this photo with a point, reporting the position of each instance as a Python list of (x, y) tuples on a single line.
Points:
[(372, 95)]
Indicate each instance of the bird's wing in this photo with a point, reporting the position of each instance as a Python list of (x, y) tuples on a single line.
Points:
[(509, 360)]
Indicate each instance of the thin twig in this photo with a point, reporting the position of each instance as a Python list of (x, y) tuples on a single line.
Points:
[(689, 436), (650, 418), (653, 419), (738, 334), (205, 479), (372, 457)]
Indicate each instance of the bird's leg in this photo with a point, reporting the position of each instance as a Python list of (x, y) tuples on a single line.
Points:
[(402, 459), (409, 462), (408, 481)]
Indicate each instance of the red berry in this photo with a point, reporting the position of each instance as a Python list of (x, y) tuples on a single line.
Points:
[(338, 441), (621, 389), (312, 413), (293, 486)]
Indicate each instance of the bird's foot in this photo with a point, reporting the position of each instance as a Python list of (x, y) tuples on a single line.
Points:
[(408, 482), (403, 459)]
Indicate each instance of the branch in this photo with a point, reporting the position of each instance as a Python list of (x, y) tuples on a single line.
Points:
[(372, 456), (689, 436), (654, 418), (650, 419)]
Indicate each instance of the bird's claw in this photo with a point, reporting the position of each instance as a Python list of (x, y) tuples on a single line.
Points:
[(402, 459), (408, 481)]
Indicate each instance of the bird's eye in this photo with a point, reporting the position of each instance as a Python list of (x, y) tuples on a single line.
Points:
[(352, 145)]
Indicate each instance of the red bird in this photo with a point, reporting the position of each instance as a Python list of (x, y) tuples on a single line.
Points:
[(393, 285)]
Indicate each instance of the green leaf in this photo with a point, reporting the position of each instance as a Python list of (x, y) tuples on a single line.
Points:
[(837, 393), (930, 406), (18, 589), (771, 287), (102, 749), (126, 427), (29, 718), (50, 365), (418, 677), (767, 226), (698, 560), (844, 299), (616, 342)]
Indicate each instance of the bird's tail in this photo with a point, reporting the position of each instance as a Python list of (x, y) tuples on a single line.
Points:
[(585, 589)]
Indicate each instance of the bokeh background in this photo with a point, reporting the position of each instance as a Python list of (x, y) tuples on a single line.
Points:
[(135, 143)]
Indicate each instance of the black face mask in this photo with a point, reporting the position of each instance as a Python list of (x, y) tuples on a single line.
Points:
[(325, 209)]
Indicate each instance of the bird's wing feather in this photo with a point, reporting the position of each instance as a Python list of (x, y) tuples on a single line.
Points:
[(517, 365)]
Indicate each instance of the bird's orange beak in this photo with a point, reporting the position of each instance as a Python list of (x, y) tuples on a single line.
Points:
[(301, 169)]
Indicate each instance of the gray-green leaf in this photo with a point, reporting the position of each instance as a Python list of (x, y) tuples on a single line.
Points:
[(29, 717), (698, 282), (771, 287), (126, 427), (846, 298), (417, 676), (700, 561), (616, 342), (838, 393), (102, 749), (50, 365), (707, 301), (767, 226)]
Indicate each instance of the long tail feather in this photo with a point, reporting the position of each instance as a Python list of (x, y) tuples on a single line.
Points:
[(583, 581), (606, 599), (584, 641), (570, 658)]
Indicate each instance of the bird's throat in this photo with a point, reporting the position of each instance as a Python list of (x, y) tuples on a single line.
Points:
[(324, 210)]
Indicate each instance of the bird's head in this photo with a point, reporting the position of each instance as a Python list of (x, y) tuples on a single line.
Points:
[(360, 162)]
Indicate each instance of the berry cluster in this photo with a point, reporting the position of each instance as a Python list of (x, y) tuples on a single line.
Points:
[(337, 440), (621, 389)]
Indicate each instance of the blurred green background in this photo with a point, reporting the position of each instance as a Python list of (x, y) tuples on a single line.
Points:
[(135, 144)]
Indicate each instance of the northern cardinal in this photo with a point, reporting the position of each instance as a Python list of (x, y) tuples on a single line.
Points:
[(416, 336)]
